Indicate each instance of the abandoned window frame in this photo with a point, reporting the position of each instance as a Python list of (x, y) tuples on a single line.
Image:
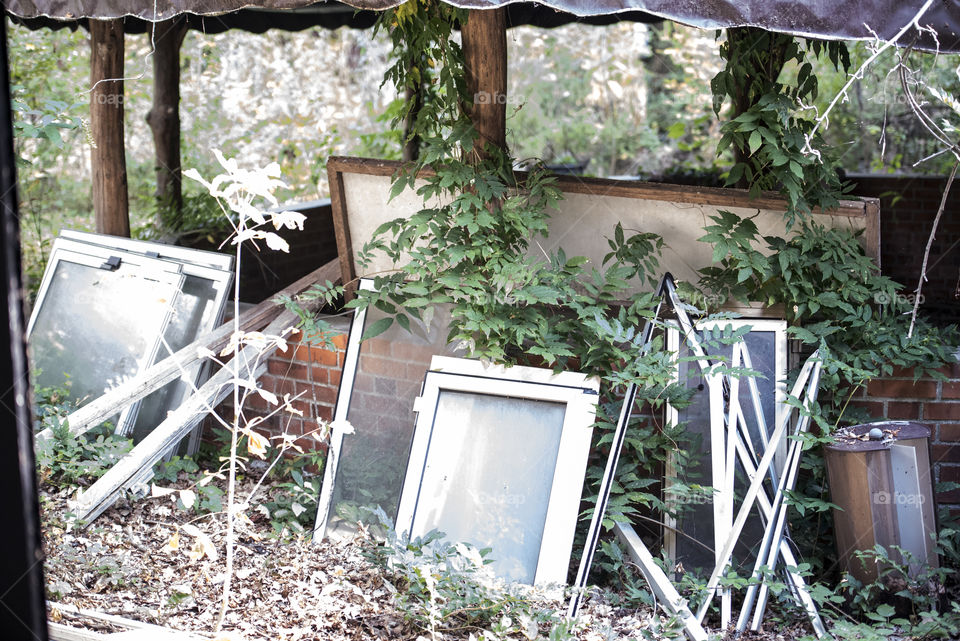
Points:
[(168, 275), (214, 267), (576, 391), (341, 414), (776, 327)]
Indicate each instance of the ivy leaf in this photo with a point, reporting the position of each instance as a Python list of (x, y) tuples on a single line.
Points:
[(377, 327)]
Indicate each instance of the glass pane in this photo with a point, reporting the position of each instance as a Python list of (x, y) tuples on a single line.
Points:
[(193, 314), (488, 476), (373, 460), (695, 520), (97, 327)]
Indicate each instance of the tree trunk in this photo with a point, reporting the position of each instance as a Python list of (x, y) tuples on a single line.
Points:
[(106, 127), (411, 142), (164, 114), (485, 56), (767, 52)]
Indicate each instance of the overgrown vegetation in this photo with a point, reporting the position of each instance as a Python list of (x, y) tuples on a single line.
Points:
[(471, 252)]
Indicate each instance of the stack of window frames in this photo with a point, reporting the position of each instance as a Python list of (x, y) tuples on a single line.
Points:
[(109, 307)]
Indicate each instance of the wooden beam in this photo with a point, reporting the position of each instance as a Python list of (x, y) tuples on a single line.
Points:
[(59, 631), (170, 368), (136, 467), (164, 115), (485, 56), (107, 157), (667, 596)]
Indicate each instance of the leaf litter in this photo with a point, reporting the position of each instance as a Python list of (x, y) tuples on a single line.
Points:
[(150, 561)]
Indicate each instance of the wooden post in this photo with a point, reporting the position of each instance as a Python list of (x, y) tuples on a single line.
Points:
[(106, 126), (485, 55), (164, 115)]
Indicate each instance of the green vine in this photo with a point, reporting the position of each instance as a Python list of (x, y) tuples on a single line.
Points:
[(767, 125), (471, 248)]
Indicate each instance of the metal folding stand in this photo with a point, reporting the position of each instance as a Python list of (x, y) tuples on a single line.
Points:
[(731, 441), (773, 535)]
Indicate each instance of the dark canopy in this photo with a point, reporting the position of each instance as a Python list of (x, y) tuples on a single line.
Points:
[(839, 19), (330, 15)]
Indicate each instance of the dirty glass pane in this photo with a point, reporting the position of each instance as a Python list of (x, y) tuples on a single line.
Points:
[(488, 475), (373, 460), (98, 327), (193, 314), (695, 521)]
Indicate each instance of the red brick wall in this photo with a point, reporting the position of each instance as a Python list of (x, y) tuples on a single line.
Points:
[(930, 402), (309, 374)]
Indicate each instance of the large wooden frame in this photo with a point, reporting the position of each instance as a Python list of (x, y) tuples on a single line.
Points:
[(587, 215)]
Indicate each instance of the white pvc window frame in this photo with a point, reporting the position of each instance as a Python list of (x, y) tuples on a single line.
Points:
[(579, 394), (211, 266), (778, 328), (146, 267), (351, 359), (341, 412)]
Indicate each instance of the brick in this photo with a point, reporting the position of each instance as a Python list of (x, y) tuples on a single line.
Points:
[(416, 371), (320, 394), (324, 413), (950, 389), (950, 496), (903, 410), (278, 386), (379, 366), (887, 388), (944, 453), (320, 374), (363, 382), (378, 346), (941, 411), (324, 356), (385, 386), (340, 340), (412, 352), (277, 367), (333, 376), (255, 401), (873, 408), (950, 432), (287, 353), (287, 370), (950, 371), (950, 474), (902, 372), (382, 405), (302, 353)]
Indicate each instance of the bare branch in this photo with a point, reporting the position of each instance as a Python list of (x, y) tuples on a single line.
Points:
[(926, 253), (858, 74)]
